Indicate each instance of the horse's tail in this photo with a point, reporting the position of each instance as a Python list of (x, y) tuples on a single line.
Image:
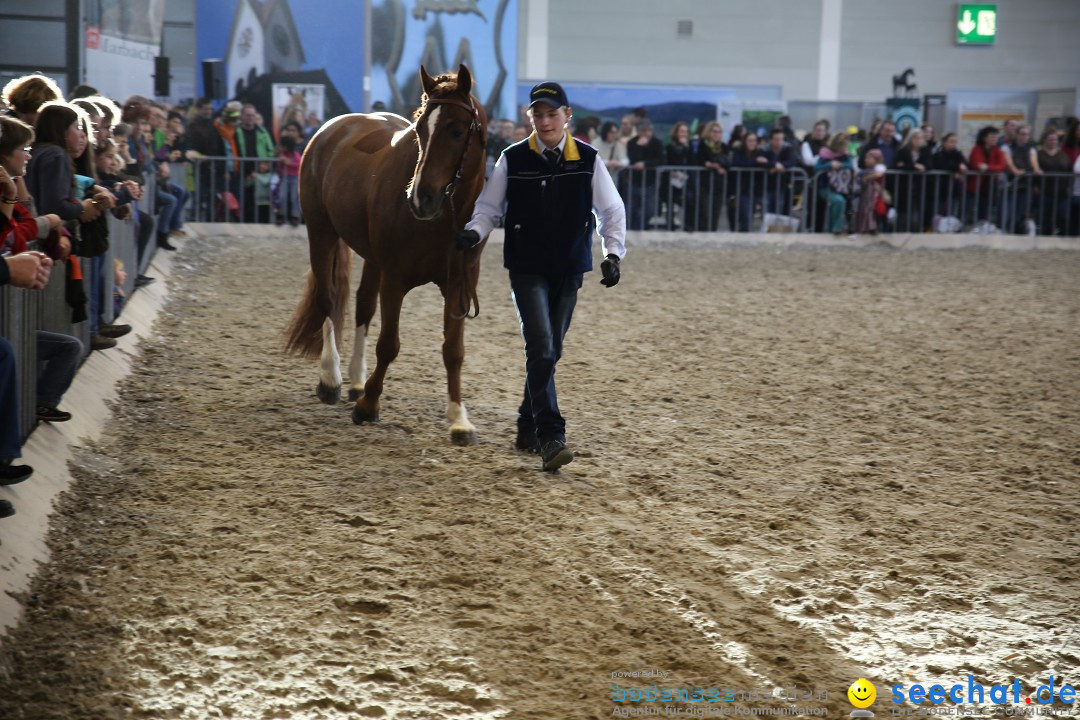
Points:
[(325, 297)]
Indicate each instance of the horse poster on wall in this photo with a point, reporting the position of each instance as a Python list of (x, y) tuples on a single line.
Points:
[(304, 104)]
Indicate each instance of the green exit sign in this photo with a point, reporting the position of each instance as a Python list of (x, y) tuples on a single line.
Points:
[(976, 24)]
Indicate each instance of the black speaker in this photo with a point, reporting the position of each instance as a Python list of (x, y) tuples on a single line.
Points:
[(213, 73), (162, 76)]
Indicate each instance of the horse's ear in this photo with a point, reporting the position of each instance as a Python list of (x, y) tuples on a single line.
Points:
[(426, 81), (464, 79)]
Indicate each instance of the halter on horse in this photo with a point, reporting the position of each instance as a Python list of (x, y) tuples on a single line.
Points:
[(470, 300), (365, 186)]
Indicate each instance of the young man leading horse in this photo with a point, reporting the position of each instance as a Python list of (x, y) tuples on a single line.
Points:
[(548, 186)]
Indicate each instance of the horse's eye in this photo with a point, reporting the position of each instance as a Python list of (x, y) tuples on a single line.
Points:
[(456, 133)]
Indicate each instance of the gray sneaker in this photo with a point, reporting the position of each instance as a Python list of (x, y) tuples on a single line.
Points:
[(555, 454)]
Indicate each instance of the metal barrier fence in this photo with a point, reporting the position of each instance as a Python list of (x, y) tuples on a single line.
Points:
[(24, 312), (693, 199), (227, 189), (700, 199)]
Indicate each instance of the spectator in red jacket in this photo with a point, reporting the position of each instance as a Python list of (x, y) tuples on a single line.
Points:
[(986, 181), (16, 138), (58, 355)]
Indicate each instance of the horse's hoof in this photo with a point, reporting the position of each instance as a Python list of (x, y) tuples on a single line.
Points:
[(463, 437), (328, 395), (361, 416), (355, 394)]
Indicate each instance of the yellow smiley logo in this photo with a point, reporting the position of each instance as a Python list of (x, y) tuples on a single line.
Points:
[(862, 693)]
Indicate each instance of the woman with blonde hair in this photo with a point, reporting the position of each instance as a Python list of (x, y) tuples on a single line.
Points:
[(835, 171), (712, 154), (913, 159), (26, 94), (680, 186)]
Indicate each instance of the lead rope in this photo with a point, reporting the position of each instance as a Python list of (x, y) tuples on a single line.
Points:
[(466, 299)]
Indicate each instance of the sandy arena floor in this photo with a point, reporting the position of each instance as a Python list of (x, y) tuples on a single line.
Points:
[(794, 467)]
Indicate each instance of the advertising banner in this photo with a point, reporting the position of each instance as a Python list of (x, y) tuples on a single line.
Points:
[(756, 116), (122, 39), (264, 42), (664, 105), (905, 113), (441, 34), (972, 120)]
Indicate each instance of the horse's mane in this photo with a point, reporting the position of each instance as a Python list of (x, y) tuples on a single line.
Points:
[(445, 84)]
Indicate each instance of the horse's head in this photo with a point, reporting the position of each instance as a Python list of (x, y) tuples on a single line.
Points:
[(451, 129)]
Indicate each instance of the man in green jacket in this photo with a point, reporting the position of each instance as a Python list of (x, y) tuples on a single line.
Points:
[(252, 141)]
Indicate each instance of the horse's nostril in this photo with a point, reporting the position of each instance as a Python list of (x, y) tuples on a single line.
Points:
[(427, 199)]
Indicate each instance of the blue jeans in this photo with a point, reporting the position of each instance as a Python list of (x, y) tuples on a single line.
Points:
[(97, 292), (176, 220), (58, 359), (10, 429), (746, 211), (290, 201), (166, 208), (544, 307)]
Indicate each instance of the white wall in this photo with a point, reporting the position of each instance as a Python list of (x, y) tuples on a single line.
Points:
[(1036, 47), (777, 42), (734, 42)]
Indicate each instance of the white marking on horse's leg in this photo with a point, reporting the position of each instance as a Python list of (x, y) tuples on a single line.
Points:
[(358, 364), (329, 361), (459, 419)]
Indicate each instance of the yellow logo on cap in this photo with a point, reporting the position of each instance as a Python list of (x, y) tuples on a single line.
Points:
[(547, 90), (862, 693)]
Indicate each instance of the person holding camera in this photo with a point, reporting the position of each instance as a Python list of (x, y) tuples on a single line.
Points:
[(549, 186)]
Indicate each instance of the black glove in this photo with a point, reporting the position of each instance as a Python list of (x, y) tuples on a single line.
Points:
[(610, 268), (465, 239)]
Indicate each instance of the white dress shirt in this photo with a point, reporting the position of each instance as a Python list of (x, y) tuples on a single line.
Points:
[(607, 204)]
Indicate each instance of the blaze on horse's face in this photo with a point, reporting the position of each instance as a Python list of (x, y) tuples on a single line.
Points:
[(442, 133)]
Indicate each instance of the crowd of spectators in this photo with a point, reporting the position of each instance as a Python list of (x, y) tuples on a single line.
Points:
[(64, 169), (873, 180), (253, 176), (67, 164)]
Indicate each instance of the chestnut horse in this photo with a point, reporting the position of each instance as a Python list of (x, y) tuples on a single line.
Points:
[(394, 192)]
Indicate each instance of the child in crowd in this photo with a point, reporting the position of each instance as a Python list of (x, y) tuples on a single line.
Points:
[(290, 182), (836, 171), (872, 205), (122, 136), (119, 296), (109, 166), (263, 180)]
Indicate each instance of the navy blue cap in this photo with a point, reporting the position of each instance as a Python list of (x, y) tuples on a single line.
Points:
[(549, 93)]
